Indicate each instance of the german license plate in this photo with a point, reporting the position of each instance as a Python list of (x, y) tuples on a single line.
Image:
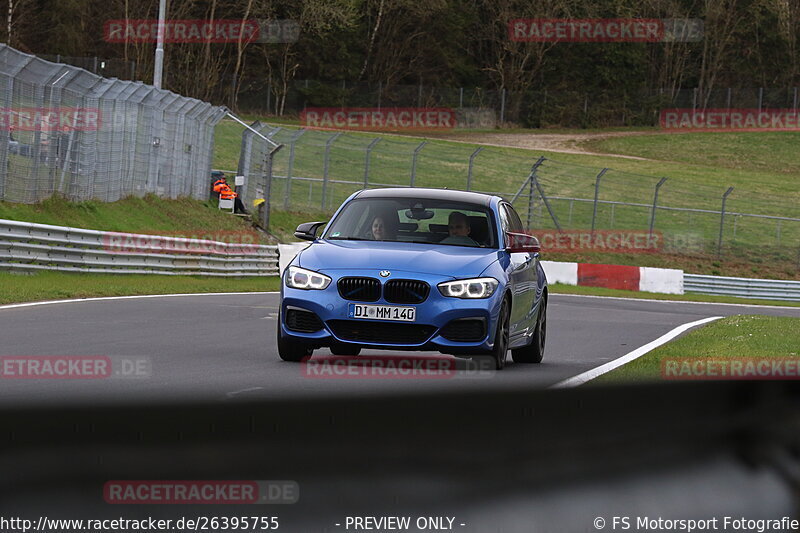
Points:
[(382, 312)]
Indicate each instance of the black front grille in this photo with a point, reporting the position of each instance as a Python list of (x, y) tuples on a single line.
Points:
[(360, 289), (302, 321), (465, 330), (406, 291), (381, 332)]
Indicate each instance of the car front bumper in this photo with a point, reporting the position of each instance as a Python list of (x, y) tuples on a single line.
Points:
[(425, 333)]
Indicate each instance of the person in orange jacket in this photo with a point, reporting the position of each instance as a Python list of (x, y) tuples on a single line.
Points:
[(226, 193), (217, 185)]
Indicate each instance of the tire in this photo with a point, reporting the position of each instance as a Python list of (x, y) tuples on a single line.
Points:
[(290, 350), (345, 349), (534, 352), (497, 357)]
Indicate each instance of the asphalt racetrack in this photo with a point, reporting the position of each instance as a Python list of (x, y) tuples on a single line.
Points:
[(222, 348)]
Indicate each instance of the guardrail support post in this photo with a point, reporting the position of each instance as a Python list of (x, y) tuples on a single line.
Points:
[(469, 170), (290, 168), (366, 160), (655, 204), (596, 196), (417, 150), (325, 167), (722, 221)]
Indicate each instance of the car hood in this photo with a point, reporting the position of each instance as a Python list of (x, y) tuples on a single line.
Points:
[(441, 260)]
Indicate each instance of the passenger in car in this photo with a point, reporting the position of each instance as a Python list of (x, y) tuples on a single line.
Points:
[(459, 227)]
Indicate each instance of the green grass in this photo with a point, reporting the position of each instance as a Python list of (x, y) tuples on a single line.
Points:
[(557, 288), (62, 285), (227, 145), (700, 166), (731, 337), (149, 214), (774, 153)]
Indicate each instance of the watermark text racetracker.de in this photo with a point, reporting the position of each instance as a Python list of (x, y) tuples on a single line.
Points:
[(637, 30), (214, 242), (73, 367), (384, 118), (622, 241), (392, 366), (742, 119), (201, 31), (731, 368), (201, 492), (50, 119)]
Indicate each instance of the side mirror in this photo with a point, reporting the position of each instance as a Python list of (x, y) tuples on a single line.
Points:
[(522, 243), (308, 230)]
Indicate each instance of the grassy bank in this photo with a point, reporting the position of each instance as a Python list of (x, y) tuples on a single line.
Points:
[(42, 286), (740, 336), (150, 214)]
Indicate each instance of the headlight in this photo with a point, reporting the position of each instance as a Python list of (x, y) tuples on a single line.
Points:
[(300, 278), (469, 288)]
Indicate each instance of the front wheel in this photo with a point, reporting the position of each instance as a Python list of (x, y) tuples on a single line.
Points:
[(291, 350), (534, 352), (497, 357)]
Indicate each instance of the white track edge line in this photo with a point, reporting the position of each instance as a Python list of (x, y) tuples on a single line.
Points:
[(580, 379)]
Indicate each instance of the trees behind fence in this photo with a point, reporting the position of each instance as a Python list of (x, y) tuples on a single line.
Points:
[(538, 108)]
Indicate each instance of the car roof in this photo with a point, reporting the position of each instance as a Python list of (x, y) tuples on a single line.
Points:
[(433, 194)]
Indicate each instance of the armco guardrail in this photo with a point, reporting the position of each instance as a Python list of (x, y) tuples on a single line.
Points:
[(25, 246), (767, 289)]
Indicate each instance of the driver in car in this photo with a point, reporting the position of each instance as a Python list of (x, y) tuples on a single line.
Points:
[(459, 227), (382, 229)]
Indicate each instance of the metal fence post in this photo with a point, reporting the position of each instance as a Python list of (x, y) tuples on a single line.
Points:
[(325, 167), (531, 205), (366, 160), (536, 165), (655, 204), (571, 205), (722, 221), (538, 185), (596, 195), (287, 191), (469, 170), (417, 150), (502, 106), (461, 97), (269, 158)]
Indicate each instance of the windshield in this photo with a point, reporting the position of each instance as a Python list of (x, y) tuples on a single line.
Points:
[(420, 220)]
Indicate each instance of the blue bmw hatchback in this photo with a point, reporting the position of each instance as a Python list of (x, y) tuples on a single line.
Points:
[(416, 269)]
